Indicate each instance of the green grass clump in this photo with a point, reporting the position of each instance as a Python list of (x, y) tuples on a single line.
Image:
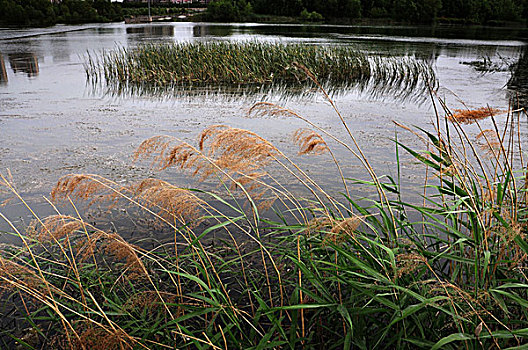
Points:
[(246, 63), (324, 271)]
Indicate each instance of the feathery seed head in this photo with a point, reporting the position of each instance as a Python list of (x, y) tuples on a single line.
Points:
[(309, 142), (489, 141), (173, 202), (466, 116)]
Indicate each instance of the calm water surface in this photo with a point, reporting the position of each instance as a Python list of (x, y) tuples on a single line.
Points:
[(53, 123)]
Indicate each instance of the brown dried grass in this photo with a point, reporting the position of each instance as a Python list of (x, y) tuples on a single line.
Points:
[(336, 231), (92, 337), (173, 202), (470, 116), (309, 142), (13, 276), (55, 227), (489, 141)]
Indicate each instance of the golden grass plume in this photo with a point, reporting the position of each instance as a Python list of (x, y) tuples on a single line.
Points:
[(236, 150), (173, 202), (219, 147), (470, 116), (336, 231), (489, 141), (309, 142), (14, 276), (84, 187), (55, 227)]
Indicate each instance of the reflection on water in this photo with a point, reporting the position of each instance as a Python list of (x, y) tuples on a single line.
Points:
[(3, 71), (159, 30), (401, 78), (187, 31), (405, 33), (518, 82), (24, 62), (201, 30), (58, 48), (425, 34)]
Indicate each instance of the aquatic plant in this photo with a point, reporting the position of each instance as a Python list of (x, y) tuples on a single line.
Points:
[(325, 270), (191, 66), (470, 116)]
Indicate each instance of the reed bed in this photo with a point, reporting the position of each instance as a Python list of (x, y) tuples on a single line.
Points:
[(191, 65), (329, 271)]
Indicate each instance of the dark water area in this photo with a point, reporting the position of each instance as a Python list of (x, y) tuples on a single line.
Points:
[(53, 122)]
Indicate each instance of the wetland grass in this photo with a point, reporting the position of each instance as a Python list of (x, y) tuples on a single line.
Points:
[(330, 271), (192, 66)]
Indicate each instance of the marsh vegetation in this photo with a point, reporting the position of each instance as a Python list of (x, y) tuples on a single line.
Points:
[(254, 66), (327, 271), (252, 264)]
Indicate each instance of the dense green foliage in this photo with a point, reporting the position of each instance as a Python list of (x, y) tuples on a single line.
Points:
[(23, 12), (417, 11), (168, 68), (229, 10), (45, 13)]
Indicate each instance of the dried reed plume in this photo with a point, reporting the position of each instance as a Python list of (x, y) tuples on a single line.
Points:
[(249, 181), (113, 246), (489, 141), (123, 251), (14, 275), (237, 155), (174, 203), (408, 262), (88, 241), (336, 231), (309, 142), (236, 150), (262, 109), (150, 301), (219, 147), (55, 227), (84, 187), (182, 155), (96, 338), (342, 230), (467, 116)]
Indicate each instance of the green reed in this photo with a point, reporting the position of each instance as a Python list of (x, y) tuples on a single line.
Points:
[(235, 63), (324, 271)]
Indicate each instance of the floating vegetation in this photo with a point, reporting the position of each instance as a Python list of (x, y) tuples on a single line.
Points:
[(518, 83), (488, 65), (470, 116), (252, 67)]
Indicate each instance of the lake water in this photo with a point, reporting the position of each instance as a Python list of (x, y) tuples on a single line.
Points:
[(52, 122)]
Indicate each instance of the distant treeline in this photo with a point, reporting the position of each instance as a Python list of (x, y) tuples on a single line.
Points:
[(45, 13), (415, 11)]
